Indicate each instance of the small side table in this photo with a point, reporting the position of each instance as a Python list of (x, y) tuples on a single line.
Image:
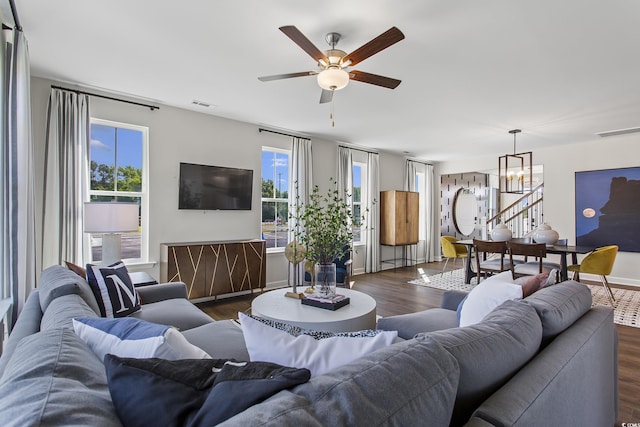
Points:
[(142, 278)]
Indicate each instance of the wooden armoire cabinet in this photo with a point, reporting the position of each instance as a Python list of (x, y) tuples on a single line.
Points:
[(210, 269), (399, 217)]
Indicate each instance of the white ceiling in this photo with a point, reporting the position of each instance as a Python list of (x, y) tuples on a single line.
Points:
[(561, 70)]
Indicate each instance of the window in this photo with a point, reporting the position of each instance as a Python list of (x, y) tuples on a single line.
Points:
[(357, 200), (275, 197), (118, 158)]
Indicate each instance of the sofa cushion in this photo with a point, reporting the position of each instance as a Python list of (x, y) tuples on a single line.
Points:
[(287, 345), (227, 344), (54, 379), (113, 289), (411, 324), (490, 352), (56, 281), (177, 312), (559, 306), (62, 310), (409, 383), (129, 337), (154, 392), (28, 323)]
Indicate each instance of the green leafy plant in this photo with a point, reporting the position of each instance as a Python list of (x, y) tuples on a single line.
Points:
[(324, 225)]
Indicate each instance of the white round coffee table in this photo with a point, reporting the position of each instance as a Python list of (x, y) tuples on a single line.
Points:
[(359, 314)]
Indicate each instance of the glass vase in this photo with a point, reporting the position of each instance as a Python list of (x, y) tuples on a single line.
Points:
[(326, 280)]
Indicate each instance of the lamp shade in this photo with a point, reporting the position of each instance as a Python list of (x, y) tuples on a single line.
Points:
[(110, 217)]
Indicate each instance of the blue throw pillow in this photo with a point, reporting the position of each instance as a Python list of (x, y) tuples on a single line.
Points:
[(112, 287), (154, 392)]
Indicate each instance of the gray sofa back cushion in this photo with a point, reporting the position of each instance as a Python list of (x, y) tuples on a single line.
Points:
[(404, 384), (62, 310), (409, 383), (29, 323), (54, 379), (56, 281), (559, 306), (490, 353)]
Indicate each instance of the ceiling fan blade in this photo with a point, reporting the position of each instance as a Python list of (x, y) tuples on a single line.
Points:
[(326, 96), (301, 40), (374, 79), (286, 76), (383, 41)]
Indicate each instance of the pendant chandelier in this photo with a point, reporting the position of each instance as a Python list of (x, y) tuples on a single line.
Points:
[(515, 170)]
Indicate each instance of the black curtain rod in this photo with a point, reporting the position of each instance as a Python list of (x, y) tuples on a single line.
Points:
[(151, 107), (359, 149), (282, 133), (14, 12), (422, 163)]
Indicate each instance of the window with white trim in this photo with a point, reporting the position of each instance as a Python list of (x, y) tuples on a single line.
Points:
[(118, 172), (275, 197), (357, 200)]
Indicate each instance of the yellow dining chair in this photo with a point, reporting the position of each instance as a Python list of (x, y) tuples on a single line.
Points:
[(452, 250), (599, 262)]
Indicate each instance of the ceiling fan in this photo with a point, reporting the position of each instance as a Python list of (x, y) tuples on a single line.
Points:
[(333, 65)]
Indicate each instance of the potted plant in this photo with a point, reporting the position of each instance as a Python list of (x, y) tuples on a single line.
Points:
[(324, 227)]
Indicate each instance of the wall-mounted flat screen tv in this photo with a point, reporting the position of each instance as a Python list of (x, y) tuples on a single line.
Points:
[(204, 187)]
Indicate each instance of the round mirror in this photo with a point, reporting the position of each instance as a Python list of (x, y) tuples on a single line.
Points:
[(465, 211)]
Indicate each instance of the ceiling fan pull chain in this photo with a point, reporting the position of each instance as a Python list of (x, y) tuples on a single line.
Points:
[(333, 123)]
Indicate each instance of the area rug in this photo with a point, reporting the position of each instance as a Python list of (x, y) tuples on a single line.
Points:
[(450, 280), (626, 311)]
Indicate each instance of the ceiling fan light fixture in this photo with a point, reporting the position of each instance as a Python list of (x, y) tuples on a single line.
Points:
[(333, 78)]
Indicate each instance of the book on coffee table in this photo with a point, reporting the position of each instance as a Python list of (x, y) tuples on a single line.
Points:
[(329, 303)]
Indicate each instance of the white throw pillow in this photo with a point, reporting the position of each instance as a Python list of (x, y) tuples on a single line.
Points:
[(485, 297), (320, 352), (131, 337)]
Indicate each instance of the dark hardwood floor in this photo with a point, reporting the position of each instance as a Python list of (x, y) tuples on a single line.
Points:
[(394, 295)]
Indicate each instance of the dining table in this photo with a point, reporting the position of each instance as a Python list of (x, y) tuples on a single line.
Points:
[(563, 250)]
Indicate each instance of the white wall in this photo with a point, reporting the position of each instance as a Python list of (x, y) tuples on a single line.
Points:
[(560, 164), (177, 135)]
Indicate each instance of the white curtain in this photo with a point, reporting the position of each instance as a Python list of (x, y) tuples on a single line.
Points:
[(372, 232), (66, 175), (432, 216), (300, 182), (18, 190), (345, 173), (410, 171), (430, 232)]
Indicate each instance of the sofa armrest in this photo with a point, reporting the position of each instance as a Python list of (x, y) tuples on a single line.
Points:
[(452, 299), (162, 291)]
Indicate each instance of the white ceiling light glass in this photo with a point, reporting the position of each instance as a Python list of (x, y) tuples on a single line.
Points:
[(515, 170), (333, 78)]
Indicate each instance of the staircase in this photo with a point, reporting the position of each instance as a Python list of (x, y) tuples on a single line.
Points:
[(521, 216)]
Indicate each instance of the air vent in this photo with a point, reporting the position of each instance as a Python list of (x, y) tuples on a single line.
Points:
[(618, 132), (201, 103)]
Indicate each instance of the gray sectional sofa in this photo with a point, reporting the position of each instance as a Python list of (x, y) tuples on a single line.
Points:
[(550, 359)]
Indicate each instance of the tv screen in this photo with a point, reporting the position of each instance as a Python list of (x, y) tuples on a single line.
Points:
[(205, 187)]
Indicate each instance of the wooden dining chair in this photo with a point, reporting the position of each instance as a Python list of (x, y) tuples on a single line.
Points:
[(490, 257), (525, 267)]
